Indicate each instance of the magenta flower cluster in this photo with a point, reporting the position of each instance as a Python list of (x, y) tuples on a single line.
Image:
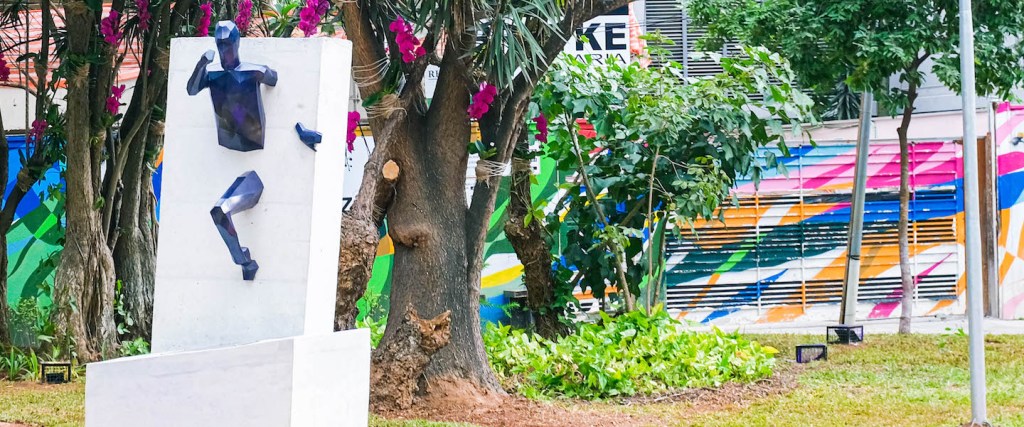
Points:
[(244, 15), (408, 45), (542, 127), (38, 129), (143, 7), (353, 123), (110, 28), (114, 100), (482, 101), (311, 14), (5, 70), (203, 29)]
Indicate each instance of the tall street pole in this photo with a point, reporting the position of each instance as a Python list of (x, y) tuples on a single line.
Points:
[(851, 281), (972, 213)]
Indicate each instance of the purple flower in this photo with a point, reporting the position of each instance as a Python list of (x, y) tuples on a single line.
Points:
[(408, 45), (110, 28), (244, 15), (482, 101), (143, 7), (311, 14), (203, 29), (114, 100), (353, 124), (5, 70), (38, 129), (542, 127)]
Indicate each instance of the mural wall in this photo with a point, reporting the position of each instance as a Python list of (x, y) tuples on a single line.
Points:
[(779, 256)]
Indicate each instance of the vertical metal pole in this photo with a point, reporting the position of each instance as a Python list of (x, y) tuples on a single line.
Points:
[(851, 281), (975, 314)]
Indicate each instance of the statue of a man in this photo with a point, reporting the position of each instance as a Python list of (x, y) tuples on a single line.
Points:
[(235, 91)]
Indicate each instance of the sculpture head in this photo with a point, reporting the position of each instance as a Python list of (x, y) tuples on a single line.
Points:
[(227, 36)]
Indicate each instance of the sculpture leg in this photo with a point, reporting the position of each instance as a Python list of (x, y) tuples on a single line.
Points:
[(242, 195)]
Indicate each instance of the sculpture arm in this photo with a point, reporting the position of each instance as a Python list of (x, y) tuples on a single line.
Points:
[(199, 81), (269, 76)]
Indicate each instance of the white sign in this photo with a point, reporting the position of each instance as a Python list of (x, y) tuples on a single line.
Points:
[(605, 39)]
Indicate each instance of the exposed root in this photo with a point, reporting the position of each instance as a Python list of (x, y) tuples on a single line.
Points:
[(399, 363)]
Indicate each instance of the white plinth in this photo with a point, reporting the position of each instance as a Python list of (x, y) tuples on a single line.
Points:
[(293, 232), (308, 381)]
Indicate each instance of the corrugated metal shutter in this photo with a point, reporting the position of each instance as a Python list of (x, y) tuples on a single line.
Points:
[(785, 243)]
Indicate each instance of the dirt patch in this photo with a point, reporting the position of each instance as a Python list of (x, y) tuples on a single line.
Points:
[(665, 409)]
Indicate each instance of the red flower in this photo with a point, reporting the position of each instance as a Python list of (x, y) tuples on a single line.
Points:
[(353, 124), (482, 101), (203, 29), (114, 100), (110, 28)]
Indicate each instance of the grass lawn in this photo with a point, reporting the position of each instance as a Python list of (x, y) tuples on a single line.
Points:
[(918, 380)]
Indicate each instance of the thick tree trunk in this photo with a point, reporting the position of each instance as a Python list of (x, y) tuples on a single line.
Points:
[(84, 286), (436, 268), (135, 248), (533, 251), (906, 276)]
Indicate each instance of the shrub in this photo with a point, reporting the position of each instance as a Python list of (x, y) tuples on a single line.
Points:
[(635, 353)]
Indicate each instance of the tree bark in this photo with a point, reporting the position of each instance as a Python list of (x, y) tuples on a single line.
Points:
[(84, 286), (5, 333), (533, 250), (906, 276), (135, 249), (394, 368)]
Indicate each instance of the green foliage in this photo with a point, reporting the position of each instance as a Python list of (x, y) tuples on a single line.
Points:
[(631, 354), (30, 324), (129, 346), (696, 137), (18, 364), (372, 315), (865, 42)]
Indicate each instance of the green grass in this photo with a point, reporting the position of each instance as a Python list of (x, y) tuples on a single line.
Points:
[(917, 380), (890, 380)]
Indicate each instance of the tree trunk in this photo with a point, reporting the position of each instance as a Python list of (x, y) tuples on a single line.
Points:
[(436, 267), (5, 332), (135, 247), (906, 277), (84, 286), (533, 250)]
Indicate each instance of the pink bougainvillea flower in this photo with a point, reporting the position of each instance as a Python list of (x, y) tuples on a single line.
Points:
[(244, 15), (542, 127), (203, 29), (408, 45), (114, 100), (143, 7), (311, 14), (482, 101), (5, 70), (353, 124), (110, 28), (38, 129)]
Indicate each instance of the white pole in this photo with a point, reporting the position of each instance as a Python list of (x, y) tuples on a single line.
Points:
[(851, 281), (972, 210)]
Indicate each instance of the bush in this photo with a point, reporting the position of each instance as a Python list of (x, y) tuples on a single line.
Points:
[(631, 354)]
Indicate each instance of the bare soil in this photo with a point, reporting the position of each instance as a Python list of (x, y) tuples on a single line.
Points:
[(492, 410)]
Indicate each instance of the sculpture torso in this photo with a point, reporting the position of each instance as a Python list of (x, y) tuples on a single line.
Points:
[(238, 106)]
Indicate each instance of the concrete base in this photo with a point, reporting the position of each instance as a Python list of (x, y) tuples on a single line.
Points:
[(306, 381)]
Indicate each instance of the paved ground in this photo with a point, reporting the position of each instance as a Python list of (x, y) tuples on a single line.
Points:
[(924, 325)]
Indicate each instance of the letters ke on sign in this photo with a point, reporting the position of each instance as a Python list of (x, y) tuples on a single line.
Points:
[(607, 40)]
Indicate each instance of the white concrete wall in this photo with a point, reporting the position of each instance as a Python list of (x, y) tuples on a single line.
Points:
[(293, 233)]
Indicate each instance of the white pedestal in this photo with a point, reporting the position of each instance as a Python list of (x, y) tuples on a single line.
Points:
[(230, 352), (309, 381)]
